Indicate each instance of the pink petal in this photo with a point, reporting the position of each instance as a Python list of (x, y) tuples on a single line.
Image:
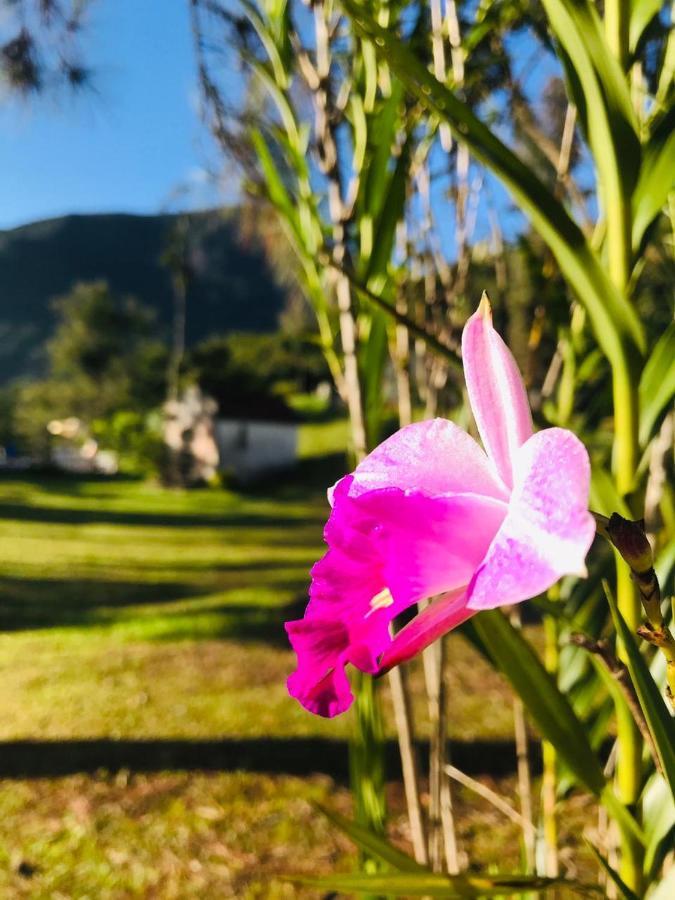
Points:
[(435, 456), (406, 542), (437, 619), (319, 682), (430, 545), (548, 529), (496, 391)]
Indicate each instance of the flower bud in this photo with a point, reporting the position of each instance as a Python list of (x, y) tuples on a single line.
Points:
[(630, 540)]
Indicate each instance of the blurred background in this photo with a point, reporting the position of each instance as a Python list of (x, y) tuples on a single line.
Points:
[(176, 396)]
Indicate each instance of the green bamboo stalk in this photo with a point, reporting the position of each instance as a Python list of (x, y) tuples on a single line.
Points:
[(549, 781), (617, 204), (629, 762)]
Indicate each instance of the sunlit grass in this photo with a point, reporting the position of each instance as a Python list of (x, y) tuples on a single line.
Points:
[(131, 612)]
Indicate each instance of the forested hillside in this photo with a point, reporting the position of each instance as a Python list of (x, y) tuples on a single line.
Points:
[(230, 286)]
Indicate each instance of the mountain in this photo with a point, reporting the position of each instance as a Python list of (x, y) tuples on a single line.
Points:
[(231, 286)]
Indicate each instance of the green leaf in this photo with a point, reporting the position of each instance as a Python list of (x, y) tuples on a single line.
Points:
[(514, 656), (605, 498), (624, 890), (665, 562), (373, 844), (387, 217), (659, 720), (657, 177), (426, 884), (373, 359), (610, 119), (658, 807), (612, 315), (657, 384), (267, 39), (641, 14)]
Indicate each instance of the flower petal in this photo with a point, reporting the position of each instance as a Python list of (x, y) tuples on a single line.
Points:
[(436, 457), (437, 619), (324, 646), (387, 549), (496, 391), (429, 545), (319, 682), (548, 529)]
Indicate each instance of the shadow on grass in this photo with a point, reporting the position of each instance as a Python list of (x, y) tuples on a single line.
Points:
[(52, 603), (49, 603), (288, 756), (72, 516)]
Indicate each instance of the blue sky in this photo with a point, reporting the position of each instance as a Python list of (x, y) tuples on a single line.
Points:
[(132, 144)]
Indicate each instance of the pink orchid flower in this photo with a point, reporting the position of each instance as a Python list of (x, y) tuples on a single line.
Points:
[(429, 514)]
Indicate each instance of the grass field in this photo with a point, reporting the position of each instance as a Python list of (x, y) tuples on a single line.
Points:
[(152, 748)]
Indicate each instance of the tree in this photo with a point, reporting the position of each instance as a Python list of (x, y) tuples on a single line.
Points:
[(104, 357), (40, 44)]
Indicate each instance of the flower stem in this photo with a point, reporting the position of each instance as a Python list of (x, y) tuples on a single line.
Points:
[(629, 762)]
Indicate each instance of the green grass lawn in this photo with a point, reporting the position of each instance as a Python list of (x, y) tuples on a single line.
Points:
[(130, 612)]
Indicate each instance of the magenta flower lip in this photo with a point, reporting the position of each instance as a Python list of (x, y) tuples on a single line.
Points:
[(429, 514)]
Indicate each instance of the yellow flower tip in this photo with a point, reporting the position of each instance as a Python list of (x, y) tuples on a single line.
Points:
[(484, 308), (380, 601)]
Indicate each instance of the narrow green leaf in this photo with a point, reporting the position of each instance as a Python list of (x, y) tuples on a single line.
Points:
[(658, 718), (611, 314), (605, 498), (373, 844), (448, 353), (373, 360), (388, 216), (267, 40), (657, 177), (514, 656), (665, 562), (624, 890), (610, 120), (448, 886), (657, 384), (641, 14), (658, 807)]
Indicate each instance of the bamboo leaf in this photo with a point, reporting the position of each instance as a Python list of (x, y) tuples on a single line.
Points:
[(514, 656), (373, 844), (624, 890), (426, 884), (657, 384), (389, 215), (605, 498), (611, 314), (373, 360), (276, 189), (658, 807), (657, 177), (658, 718), (641, 14), (268, 42), (448, 353)]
